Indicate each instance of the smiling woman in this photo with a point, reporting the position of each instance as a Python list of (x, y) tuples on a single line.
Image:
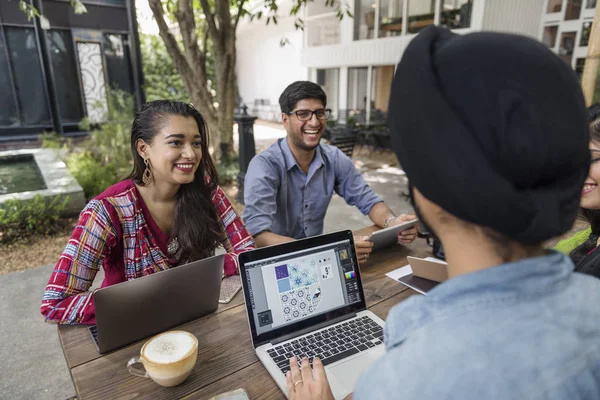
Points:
[(586, 255), (171, 211)]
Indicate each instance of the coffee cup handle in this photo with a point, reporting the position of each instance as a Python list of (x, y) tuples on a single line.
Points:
[(134, 370)]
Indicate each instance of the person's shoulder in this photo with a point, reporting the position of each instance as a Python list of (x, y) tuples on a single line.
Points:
[(331, 150), (120, 199), (334, 155), (270, 160), (117, 190)]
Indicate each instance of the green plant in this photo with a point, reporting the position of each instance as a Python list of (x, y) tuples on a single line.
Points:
[(93, 176), (38, 216), (110, 141), (162, 81), (228, 170), (51, 140), (105, 158)]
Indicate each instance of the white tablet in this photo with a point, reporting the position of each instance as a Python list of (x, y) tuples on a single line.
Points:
[(387, 236)]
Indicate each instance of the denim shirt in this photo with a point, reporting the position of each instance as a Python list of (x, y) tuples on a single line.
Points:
[(282, 199), (523, 330)]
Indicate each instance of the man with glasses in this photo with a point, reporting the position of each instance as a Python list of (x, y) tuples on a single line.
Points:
[(289, 186)]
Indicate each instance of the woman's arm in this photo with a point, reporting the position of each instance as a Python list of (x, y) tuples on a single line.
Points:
[(236, 238), (67, 299)]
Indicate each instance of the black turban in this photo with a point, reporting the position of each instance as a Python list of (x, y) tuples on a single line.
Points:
[(492, 128)]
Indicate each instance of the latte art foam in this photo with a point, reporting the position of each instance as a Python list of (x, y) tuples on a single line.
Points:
[(169, 347)]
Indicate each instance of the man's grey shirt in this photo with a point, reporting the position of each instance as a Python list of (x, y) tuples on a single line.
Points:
[(279, 197)]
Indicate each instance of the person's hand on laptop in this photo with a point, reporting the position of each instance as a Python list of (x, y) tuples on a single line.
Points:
[(363, 248), (409, 235), (306, 382)]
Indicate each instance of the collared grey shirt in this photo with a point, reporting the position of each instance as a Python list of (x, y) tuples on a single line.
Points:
[(279, 197)]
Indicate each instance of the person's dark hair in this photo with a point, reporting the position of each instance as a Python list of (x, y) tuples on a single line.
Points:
[(196, 226), (300, 90), (591, 216)]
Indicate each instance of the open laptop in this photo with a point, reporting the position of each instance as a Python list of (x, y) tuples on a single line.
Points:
[(137, 309), (305, 298)]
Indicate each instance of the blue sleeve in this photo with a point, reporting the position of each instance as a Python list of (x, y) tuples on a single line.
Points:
[(351, 186), (260, 196)]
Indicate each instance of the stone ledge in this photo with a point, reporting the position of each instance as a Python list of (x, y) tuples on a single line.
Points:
[(57, 178)]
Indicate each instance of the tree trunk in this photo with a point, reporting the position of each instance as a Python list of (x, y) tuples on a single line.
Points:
[(190, 61), (225, 88), (590, 70)]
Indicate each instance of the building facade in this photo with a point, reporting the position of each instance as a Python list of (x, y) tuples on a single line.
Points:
[(354, 59), (566, 27), (57, 70)]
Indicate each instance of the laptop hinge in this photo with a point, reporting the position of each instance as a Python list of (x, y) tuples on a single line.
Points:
[(312, 328)]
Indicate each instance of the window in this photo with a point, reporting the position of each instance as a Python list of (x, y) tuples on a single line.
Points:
[(579, 64), (118, 65), (27, 74), (329, 80), (8, 111), (554, 6), (456, 14), (549, 38), (585, 34), (567, 44), (319, 8), (573, 9), (390, 18), (590, 4), (62, 56), (357, 94), (364, 19), (323, 31), (420, 14), (380, 92)]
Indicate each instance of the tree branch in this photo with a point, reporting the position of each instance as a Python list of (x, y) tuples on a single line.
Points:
[(239, 13), (210, 20), (187, 26), (223, 14), (186, 71)]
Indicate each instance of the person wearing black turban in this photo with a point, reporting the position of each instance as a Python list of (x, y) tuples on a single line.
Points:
[(492, 132)]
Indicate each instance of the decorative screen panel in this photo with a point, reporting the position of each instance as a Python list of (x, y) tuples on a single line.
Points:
[(93, 79)]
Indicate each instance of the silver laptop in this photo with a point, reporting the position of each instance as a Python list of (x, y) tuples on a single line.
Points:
[(305, 298), (137, 309)]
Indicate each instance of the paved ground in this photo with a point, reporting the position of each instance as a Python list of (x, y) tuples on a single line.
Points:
[(32, 363)]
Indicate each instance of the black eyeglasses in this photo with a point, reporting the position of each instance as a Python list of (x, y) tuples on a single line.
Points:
[(306, 115)]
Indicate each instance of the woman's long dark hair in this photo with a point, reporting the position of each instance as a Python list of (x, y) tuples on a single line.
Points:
[(592, 216), (196, 224)]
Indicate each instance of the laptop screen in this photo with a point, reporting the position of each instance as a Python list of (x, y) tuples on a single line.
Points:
[(293, 289)]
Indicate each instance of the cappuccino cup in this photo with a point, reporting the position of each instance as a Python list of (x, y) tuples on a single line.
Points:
[(167, 359)]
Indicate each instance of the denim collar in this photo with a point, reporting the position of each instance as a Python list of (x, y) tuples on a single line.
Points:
[(531, 277)]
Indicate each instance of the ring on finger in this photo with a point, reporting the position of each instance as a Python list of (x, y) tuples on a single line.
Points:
[(297, 383)]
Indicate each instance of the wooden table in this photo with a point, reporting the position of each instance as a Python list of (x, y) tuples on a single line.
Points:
[(226, 359)]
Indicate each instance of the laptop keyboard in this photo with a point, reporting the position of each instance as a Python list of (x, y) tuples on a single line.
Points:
[(331, 344), (94, 333)]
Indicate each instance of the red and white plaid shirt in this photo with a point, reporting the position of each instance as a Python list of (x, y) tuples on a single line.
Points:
[(116, 231)]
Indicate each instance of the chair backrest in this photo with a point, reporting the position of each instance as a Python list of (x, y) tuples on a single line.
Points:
[(345, 143)]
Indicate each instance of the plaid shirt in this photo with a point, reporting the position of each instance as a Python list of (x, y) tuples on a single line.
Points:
[(116, 231)]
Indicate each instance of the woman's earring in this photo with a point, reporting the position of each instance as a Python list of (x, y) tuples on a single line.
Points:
[(147, 176)]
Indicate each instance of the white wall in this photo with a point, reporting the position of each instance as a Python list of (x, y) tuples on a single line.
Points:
[(263, 67), (514, 16)]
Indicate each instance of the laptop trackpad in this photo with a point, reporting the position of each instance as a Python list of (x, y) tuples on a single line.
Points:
[(347, 373)]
